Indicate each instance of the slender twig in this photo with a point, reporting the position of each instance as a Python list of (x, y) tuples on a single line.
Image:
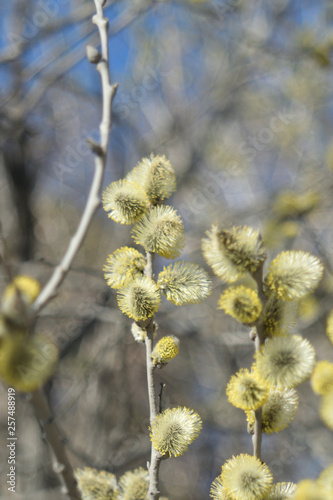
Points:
[(61, 465), (93, 201), (156, 457), (67, 61), (259, 341), (160, 397)]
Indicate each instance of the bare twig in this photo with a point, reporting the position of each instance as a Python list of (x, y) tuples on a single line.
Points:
[(93, 201), (61, 465), (259, 341), (66, 60)]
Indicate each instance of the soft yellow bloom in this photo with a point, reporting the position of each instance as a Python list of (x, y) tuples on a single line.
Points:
[(173, 430), (325, 480), (308, 308), (286, 361), (122, 265), (246, 390), (281, 491), (326, 409), (293, 274), (156, 176), (165, 350), (26, 363), (246, 478), (322, 377), (233, 252), (28, 288), (309, 490), (278, 411), (291, 203), (217, 490), (17, 298), (241, 303), (125, 201), (329, 327), (279, 316), (139, 298), (133, 485), (161, 231), (184, 283), (96, 485)]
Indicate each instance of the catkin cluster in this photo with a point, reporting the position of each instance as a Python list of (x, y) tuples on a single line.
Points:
[(158, 229), (139, 199), (282, 360)]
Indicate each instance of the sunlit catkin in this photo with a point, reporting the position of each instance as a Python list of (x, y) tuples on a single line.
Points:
[(293, 274), (173, 430), (184, 283), (233, 252), (160, 231)]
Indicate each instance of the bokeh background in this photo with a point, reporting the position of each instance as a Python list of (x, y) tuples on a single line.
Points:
[(238, 96)]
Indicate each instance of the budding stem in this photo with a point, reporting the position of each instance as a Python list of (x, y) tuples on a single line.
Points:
[(259, 341), (155, 460)]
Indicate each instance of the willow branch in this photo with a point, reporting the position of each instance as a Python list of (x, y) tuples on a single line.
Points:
[(61, 465), (156, 457), (259, 341), (93, 201)]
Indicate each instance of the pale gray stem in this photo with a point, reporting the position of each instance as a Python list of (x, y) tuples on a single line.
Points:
[(156, 457), (61, 465), (259, 341), (93, 201)]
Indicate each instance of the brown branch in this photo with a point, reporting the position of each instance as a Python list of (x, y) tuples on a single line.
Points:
[(61, 465)]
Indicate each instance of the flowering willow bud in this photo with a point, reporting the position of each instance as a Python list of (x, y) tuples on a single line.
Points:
[(156, 176), (293, 274), (165, 350), (246, 478), (325, 480), (309, 489), (246, 390), (184, 283), (290, 203), (218, 491), (160, 231), (122, 265), (278, 411), (125, 201), (173, 430), (26, 363), (281, 491), (285, 361), (134, 484), (96, 485), (322, 377), (139, 298), (233, 252), (329, 326), (241, 303), (18, 296), (279, 316)]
